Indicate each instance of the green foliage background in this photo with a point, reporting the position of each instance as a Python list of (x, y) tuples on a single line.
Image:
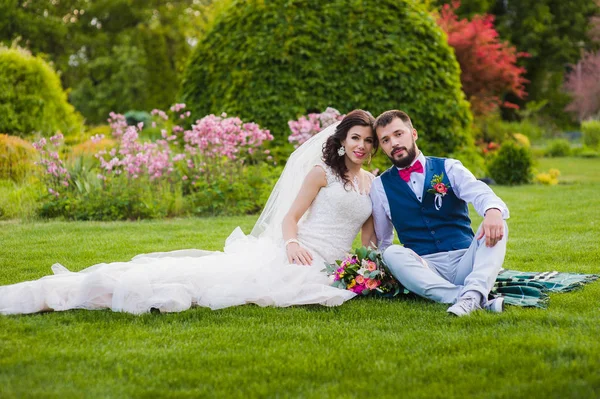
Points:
[(272, 61), (31, 96), (553, 32), (114, 55)]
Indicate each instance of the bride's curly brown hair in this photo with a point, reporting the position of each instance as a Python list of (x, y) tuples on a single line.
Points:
[(337, 163)]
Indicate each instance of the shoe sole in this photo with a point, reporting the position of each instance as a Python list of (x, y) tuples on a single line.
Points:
[(494, 310)]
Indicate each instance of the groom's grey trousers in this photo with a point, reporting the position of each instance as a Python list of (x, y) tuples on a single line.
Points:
[(446, 276)]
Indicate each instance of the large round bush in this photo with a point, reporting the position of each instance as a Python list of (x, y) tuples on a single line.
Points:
[(272, 60), (31, 96)]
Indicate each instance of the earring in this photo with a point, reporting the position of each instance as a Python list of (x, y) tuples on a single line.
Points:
[(369, 160), (341, 151)]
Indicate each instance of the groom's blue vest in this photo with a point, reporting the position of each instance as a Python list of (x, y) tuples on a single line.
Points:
[(419, 225)]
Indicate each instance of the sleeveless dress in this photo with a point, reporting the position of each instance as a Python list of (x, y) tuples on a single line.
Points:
[(249, 270)]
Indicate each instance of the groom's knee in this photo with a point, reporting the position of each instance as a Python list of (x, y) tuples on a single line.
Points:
[(396, 255)]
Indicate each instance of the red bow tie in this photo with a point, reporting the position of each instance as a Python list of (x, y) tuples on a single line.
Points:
[(405, 173)]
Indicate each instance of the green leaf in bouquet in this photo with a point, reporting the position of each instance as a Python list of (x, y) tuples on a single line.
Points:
[(373, 256), (340, 284), (374, 273), (366, 291), (339, 262), (330, 268), (361, 253)]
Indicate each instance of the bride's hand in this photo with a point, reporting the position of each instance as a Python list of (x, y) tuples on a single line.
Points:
[(297, 254)]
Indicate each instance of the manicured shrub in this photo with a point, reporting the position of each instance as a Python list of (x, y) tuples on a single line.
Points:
[(135, 117), (591, 133), (586, 152), (522, 140), (272, 61), (16, 157), (511, 165), (32, 98), (558, 148)]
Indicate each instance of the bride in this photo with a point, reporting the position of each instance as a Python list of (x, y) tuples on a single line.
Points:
[(315, 211)]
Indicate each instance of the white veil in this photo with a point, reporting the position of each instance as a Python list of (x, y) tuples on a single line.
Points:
[(269, 224)]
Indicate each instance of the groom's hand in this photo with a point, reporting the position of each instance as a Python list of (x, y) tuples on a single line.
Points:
[(492, 227)]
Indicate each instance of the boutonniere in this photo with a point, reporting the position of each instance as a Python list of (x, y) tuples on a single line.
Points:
[(439, 189)]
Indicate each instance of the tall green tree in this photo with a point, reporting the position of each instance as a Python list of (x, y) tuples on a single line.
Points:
[(553, 32), (112, 54)]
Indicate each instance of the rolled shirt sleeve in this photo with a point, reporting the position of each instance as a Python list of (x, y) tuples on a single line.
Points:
[(384, 229)]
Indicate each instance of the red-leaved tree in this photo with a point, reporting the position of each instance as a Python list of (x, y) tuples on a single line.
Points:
[(489, 66)]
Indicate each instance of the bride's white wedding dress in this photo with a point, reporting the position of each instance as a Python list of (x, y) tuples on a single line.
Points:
[(251, 269)]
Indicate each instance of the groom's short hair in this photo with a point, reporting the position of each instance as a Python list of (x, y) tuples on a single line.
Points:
[(388, 116)]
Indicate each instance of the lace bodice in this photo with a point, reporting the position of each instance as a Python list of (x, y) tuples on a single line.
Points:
[(334, 218)]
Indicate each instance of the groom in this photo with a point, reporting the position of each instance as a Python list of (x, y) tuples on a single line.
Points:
[(425, 200)]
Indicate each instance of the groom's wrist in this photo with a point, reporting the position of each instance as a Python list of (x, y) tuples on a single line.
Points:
[(492, 209)]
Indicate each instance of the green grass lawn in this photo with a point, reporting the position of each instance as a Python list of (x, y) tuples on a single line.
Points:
[(365, 348)]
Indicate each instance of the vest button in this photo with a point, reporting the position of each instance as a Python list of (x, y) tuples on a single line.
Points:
[(433, 232), (423, 209), (438, 242), (427, 221)]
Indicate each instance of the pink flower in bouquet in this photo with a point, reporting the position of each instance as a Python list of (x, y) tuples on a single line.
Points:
[(371, 266), (360, 279), (440, 188), (339, 273), (371, 284), (359, 288)]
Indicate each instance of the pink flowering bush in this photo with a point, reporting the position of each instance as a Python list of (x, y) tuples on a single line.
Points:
[(218, 146), (57, 177), (191, 164), (307, 126), (583, 84)]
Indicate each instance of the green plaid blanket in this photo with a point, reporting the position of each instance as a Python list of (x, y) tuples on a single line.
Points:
[(531, 288)]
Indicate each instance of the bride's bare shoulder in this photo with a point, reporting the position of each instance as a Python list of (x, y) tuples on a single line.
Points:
[(317, 175), (368, 174)]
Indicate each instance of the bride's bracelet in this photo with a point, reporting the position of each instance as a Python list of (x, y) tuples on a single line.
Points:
[(291, 240)]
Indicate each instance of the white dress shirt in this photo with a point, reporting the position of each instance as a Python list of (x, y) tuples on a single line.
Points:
[(463, 183)]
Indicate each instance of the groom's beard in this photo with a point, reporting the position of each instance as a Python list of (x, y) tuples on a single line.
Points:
[(411, 154)]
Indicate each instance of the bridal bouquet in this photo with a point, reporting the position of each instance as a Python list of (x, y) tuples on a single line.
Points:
[(364, 273)]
